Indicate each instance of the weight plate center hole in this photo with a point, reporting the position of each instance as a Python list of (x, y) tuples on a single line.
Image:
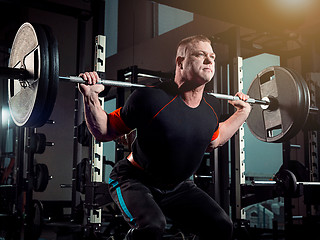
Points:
[(273, 103)]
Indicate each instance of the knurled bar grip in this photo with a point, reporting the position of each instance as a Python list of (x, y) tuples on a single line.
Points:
[(234, 98), (111, 83)]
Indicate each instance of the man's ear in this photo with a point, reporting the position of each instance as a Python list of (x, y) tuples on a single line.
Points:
[(179, 61)]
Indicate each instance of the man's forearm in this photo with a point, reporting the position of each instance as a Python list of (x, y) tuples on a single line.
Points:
[(229, 127), (96, 118)]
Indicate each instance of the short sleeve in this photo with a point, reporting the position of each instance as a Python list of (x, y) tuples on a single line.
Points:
[(135, 111)]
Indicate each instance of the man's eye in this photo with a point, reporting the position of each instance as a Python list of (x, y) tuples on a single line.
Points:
[(200, 54)]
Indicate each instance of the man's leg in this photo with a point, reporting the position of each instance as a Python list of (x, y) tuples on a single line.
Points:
[(138, 208), (197, 213)]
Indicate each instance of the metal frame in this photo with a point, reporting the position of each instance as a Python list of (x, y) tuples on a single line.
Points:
[(95, 215)]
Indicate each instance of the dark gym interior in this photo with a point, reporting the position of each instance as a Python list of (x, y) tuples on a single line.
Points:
[(54, 174)]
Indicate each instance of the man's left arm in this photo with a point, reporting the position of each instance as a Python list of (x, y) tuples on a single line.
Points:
[(229, 127)]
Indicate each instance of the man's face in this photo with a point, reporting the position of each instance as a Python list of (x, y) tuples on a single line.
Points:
[(199, 62)]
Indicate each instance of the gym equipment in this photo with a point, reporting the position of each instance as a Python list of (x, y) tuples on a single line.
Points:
[(41, 177), (280, 97), (37, 219), (289, 104), (38, 143), (32, 96), (286, 184)]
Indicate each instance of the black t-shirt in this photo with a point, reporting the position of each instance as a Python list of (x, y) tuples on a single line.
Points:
[(171, 136)]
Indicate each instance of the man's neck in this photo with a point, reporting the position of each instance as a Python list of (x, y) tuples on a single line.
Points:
[(191, 95)]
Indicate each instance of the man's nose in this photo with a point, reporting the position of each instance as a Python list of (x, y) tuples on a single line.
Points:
[(208, 59)]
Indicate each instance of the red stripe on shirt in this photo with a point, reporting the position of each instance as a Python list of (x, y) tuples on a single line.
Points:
[(215, 135), (164, 107), (117, 123)]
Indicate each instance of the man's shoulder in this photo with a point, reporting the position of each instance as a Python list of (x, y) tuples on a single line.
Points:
[(211, 99), (213, 102)]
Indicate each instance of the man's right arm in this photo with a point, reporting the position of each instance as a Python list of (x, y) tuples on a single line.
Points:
[(229, 127), (96, 118)]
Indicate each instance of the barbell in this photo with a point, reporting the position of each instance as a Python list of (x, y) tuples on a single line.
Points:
[(285, 183), (280, 97), (113, 83)]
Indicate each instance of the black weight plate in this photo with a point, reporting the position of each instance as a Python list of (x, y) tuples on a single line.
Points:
[(296, 114), (41, 102), (27, 98), (41, 179), (286, 183), (304, 107), (37, 219), (53, 73), (40, 143), (284, 122)]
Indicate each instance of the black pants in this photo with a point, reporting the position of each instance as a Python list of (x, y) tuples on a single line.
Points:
[(144, 207)]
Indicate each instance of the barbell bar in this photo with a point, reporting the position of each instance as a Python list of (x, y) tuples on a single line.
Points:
[(113, 83), (272, 182), (285, 183), (22, 75)]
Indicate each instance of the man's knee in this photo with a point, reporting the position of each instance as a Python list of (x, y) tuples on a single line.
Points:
[(149, 228), (228, 226), (223, 229)]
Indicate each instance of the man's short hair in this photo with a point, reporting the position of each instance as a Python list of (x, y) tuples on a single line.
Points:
[(195, 38), (192, 39)]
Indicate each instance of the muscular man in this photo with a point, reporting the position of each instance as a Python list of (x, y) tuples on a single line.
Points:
[(176, 123)]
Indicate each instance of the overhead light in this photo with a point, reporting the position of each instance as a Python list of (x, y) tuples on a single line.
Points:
[(292, 6)]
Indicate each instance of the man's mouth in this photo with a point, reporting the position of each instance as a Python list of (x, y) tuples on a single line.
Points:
[(207, 69)]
